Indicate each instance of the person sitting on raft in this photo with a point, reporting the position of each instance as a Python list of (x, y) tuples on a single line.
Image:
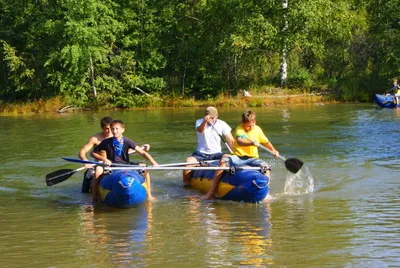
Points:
[(209, 130), (94, 140), (247, 138), (115, 150), (396, 90)]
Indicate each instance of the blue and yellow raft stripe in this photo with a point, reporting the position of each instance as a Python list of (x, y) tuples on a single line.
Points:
[(244, 185), (123, 189)]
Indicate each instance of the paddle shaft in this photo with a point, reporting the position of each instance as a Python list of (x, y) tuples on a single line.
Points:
[(292, 164), (180, 168), (52, 179), (222, 138), (265, 148), (127, 165)]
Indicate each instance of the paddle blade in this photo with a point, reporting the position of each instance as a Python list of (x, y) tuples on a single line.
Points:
[(59, 176), (293, 165)]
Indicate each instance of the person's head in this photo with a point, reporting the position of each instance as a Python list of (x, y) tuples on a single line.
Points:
[(212, 112), (395, 81), (105, 124), (117, 128), (248, 120)]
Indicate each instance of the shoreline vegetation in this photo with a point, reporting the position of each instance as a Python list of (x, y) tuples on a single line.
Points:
[(276, 97)]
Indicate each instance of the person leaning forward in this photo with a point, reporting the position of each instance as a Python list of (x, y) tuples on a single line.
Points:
[(209, 130)]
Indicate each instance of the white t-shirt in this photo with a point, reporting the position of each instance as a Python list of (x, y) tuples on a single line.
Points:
[(208, 141)]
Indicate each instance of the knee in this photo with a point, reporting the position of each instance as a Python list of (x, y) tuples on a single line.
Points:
[(190, 159)]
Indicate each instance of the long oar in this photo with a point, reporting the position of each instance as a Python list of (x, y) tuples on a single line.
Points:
[(190, 163), (60, 175), (222, 138), (292, 164), (181, 168), (129, 165)]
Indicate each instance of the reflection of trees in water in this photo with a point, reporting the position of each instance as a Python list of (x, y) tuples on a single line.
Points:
[(235, 234), (115, 237)]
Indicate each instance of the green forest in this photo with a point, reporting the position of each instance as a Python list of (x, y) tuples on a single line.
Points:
[(118, 51)]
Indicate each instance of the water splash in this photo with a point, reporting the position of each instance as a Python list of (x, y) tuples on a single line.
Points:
[(300, 183)]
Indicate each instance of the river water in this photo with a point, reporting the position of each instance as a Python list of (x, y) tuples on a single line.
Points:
[(351, 219)]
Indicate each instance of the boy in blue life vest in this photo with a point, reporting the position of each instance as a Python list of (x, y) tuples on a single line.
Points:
[(247, 137), (116, 150), (94, 140)]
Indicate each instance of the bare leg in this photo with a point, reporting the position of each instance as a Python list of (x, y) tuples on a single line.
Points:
[(148, 184), (186, 173), (98, 171), (214, 186)]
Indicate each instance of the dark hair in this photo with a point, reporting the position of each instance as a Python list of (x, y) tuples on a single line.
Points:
[(105, 121), (116, 121), (248, 116)]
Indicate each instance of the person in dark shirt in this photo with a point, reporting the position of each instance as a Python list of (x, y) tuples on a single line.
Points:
[(116, 150)]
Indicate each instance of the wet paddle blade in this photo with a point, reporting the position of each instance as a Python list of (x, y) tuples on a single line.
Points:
[(59, 176), (293, 165)]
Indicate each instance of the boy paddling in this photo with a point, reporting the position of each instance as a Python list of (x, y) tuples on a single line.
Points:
[(116, 150), (247, 138)]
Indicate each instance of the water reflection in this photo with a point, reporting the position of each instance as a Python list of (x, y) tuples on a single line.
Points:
[(236, 234), (115, 237)]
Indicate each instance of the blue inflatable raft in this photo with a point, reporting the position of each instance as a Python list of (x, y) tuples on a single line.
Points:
[(249, 186), (386, 101), (123, 189)]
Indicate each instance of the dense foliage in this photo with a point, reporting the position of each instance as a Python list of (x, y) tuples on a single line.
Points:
[(112, 50)]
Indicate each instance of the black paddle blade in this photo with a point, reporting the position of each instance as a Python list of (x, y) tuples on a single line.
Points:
[(59, 176), (293, 165)]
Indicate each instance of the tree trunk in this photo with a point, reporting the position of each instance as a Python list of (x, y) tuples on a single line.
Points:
[(283, 69), (183, 81), (92, 77)]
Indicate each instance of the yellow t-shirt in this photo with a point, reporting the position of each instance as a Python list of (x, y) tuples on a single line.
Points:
[(256, 134)]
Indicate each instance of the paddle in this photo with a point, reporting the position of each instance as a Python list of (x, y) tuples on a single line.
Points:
[(60, 175), (292, 164), (129, 165), (182, 168), (222, 138)]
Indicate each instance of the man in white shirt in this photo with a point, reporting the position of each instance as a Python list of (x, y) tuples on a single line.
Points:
[(209, 133)]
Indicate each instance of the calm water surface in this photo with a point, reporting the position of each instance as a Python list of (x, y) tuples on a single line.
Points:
[(352, 219)]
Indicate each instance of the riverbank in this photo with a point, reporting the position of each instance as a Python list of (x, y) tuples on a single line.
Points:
[(244, 99)]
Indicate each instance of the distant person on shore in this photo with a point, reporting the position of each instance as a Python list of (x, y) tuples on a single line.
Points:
[(116, 150), (105, 124), (247, 138), (209, 130)]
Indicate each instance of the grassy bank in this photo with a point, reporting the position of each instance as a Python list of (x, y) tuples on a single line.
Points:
[(259, 99)]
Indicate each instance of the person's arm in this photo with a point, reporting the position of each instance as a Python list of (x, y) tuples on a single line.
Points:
[(203, 124), (272, 148), (92, 142), (146, 155), (242, 141), (99, 153), (145, 147), (229, 139)]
